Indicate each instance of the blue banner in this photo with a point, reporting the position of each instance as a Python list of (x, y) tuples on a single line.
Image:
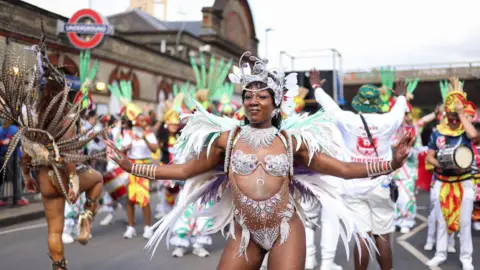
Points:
[(73, 82)]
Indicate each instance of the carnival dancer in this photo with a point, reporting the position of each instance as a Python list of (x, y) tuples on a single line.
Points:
[(167, 135), (406, 177), (367, 138), (50, 143), (432, 217), (453, 187), (167, 191), (406, 205), (189, 229), (471, 114), (255, 188), (139, 145), (70, 226), (115, 180)]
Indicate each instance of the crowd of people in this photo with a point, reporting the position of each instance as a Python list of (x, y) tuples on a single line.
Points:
[(263, 169)]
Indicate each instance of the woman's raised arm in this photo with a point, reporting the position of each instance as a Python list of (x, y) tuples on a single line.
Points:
[(183, 171), (325, 164)]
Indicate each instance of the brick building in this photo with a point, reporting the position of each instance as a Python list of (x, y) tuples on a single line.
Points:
[(143, 49)]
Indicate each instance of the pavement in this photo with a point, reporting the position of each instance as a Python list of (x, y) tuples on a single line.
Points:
[(24, 246)]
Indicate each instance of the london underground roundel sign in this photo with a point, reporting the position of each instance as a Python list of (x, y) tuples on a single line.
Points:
[(86, 29)]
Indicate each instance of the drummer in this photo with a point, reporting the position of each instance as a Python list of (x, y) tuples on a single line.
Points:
[(471, 112), (453, 187)]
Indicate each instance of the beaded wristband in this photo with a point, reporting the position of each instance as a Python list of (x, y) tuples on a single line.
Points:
[(379, 168)]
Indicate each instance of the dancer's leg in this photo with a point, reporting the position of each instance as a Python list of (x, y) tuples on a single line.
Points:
[(329, 241), (54, 208), (359, 205), (131, 213), (291, 254), (147, 214), (361, 262), (231, 261), (383, 214), (54, 205), (466, 247), (442, 234), (384, 257), (312, 210), (432, 220), (91, 181)]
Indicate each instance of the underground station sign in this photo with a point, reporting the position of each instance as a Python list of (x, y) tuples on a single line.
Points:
[(86, 29)]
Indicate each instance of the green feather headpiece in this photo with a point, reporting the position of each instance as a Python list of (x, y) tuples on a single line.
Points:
[(444, 89), (212, 79), (411, 84), (86, 76), (387, 77)]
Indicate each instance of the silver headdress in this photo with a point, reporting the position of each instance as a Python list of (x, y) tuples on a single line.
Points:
[(281, 85)]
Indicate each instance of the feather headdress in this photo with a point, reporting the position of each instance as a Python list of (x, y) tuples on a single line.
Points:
[(123, 92), (274, 79), (42, 139), (455, 94)]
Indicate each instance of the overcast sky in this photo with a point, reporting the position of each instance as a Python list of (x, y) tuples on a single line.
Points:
[(368, 33)]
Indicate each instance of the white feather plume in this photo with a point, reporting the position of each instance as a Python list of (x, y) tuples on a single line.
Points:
[(329, 197)]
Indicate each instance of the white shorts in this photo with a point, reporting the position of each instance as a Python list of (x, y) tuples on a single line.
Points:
[(374, 210)]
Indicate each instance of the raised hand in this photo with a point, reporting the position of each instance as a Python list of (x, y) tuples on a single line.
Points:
[(403, 150), (118, 157), (401, 88), (459, 108), (315, 78)]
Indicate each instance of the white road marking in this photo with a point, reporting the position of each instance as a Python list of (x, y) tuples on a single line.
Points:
[(412, 232), (30, 227), (422, 218), (417, 254), (422, 208), (402, 240)]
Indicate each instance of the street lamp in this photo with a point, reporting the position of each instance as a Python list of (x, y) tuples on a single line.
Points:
[(266, 41)]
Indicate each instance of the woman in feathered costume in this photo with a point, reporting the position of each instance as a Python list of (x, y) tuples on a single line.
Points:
[(50, 143), (257, 193)]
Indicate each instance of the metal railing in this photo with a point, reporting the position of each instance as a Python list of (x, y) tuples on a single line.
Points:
[(11, 187), (421, 66), (439, 71)]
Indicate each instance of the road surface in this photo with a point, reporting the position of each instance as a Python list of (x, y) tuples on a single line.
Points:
[(24, 246)]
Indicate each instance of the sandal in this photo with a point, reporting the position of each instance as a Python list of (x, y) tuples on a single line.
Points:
[(84, 226)]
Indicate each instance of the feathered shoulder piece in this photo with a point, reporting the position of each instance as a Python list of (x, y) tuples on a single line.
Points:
[(201, 130), (316, 131)]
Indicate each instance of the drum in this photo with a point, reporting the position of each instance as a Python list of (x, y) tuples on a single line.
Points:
[(456, 157), (114, 182)]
